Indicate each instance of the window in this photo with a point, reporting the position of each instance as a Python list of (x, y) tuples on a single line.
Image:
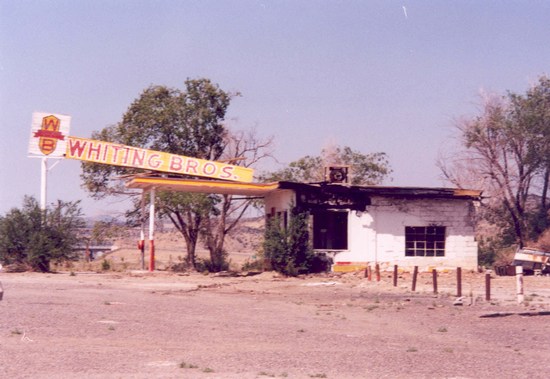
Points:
[(425, 241), (330, 230), (282, 216), (283, 219)]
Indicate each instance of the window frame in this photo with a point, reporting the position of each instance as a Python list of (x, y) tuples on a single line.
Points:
[(425, 241)]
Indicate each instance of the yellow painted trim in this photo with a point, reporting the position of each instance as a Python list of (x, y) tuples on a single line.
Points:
[(348, 268), (202, 186), (466, 192)]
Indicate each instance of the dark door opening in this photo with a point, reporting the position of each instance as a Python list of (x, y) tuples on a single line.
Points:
[(330, 230)]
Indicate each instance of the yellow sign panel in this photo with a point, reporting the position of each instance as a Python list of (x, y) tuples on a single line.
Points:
[(121, 155)]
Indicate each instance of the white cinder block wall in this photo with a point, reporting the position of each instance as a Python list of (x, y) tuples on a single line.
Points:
[(378, 235)]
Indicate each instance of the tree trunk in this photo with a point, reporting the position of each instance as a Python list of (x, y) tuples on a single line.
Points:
[(546, 182), (191, 257), (190, 232), (215, 238)]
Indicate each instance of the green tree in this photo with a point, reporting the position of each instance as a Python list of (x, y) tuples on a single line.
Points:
[(190, 123), (531, 115), (30, 236), (187, 122), (506, 151), (366, 169)]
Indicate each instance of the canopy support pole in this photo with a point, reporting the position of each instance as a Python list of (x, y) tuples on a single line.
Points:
[(152, 230), (141, 243)]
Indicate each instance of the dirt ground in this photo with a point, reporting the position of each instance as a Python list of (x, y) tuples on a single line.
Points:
[(159, 325)]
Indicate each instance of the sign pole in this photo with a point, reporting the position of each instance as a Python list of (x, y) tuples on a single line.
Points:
[(44, 183)]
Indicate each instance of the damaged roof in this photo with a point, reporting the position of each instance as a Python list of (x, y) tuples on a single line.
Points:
[(384, 191), (263, 189)]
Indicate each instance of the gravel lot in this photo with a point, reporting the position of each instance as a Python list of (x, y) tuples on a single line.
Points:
[(160, 325)]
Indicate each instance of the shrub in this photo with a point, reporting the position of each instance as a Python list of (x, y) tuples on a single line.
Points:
[(206, 265), (35, 237), (254, 265), (105, 265), (288, 249)]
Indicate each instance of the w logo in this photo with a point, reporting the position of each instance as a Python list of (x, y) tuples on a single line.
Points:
[(49, 134)]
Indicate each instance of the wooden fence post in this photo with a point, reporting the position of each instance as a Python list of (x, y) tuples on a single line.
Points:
[(488, 285), (368, 274), (415, 276), (395, 275), (434, 279), (377, 272), (459, 282)]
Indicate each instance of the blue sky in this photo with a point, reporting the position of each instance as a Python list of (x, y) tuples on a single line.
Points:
[(386, 76)]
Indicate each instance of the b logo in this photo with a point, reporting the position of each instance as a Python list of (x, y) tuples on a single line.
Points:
[(49, 134)]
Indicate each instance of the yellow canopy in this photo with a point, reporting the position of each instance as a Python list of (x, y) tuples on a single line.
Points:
[(201, 186)]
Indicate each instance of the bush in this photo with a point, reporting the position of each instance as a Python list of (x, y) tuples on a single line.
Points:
[(492, 251), (206, 265), (180, 266), (288, 250), (31, 236), (254, 265), (487, 252), (105, 265)]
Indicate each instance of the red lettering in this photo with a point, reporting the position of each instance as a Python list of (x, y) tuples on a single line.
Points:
[(176, 163), (139, 158), (95, 150), (50, 123), (227, 172), (76, 148), (105, 151), (209, 169), (48, 145), (192, 166), (153, 161), (115, 153), (126, 154)]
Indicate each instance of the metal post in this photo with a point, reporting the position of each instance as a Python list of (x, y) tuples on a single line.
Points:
[(377, 272), (141, 244), (152, 230), (519, 284), (395, 275)]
